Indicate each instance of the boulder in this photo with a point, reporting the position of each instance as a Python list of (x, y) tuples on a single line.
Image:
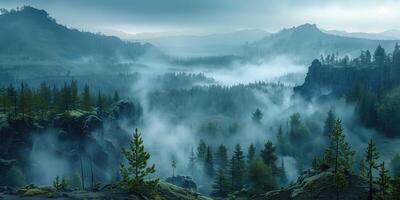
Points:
[(91, 123), (125, 109), (313, 185), (183, 181)]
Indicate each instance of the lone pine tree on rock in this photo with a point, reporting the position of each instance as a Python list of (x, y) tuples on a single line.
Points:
[(134, 173)]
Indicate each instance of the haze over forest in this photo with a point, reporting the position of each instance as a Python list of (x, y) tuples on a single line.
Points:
[(228, 100)]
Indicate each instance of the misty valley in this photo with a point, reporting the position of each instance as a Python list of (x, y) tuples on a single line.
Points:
[(298, 114)]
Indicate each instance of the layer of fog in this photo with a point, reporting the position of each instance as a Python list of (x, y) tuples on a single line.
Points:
[(167, 139)]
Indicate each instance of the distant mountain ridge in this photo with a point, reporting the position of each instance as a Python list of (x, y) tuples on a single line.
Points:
[(201, 45), (385, 35), (33, 33), (307, 42)]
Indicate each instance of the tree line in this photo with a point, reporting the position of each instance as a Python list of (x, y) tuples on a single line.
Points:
[(44, 100)]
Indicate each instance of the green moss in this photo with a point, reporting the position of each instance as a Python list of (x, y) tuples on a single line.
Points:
[(33, 190)]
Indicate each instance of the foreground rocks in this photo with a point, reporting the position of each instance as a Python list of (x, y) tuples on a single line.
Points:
[(312, 185), (165, 190), (183, 181)]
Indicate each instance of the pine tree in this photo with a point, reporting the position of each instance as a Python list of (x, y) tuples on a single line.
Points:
[(367, 57), (363, 168), (209, 163), (65, 98), (133, 175), (395, 165), (395, 189), (74, 94), (22, 100), (379, 55), (237, 168), (116, 96), (251, 153), (283, 177), (221, 185), (222, 157), (281, 142), (86, 101), (260, 176), (201, 151), (192, 163), (257, 116), (12, 98), (371, 156), (383, 182), (173, 165), (269, 157), (100, 103), (339, 156), (329, 123)]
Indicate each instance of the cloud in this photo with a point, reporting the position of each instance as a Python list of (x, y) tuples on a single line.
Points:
[(175, 15)]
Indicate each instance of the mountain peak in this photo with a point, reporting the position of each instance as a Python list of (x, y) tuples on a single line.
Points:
[(27, 12), (307, 28)]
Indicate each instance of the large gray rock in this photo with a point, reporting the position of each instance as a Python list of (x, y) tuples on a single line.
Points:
[(126, 109), (321, 186)]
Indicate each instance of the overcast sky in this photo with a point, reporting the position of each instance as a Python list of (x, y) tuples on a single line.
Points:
[(205, 16)]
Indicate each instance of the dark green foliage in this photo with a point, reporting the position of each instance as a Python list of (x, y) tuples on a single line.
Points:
[(379, 55), (251, 153), (209, 163), (371, 157), (383, 182), (363, 168), (221, 185), (99, 102), (44, 102), (388, 112), (329, 123), (86, 99), (14, 177), (192, 163), (237, 168), (269, 157), (283, 179), (133, 175), (60, 185), (282, 142), (298, 132), (230, 101), (261, 176), (395, 165), (222, 157), (116, 96), (339, 156), (201, 151), (395, 189), (257, 116)]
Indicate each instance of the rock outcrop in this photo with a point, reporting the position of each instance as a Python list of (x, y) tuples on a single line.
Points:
[(165, 190), (312, 185), (336, 80), (183, 181)]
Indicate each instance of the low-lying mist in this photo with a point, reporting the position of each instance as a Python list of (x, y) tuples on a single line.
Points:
[(216, 108)]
